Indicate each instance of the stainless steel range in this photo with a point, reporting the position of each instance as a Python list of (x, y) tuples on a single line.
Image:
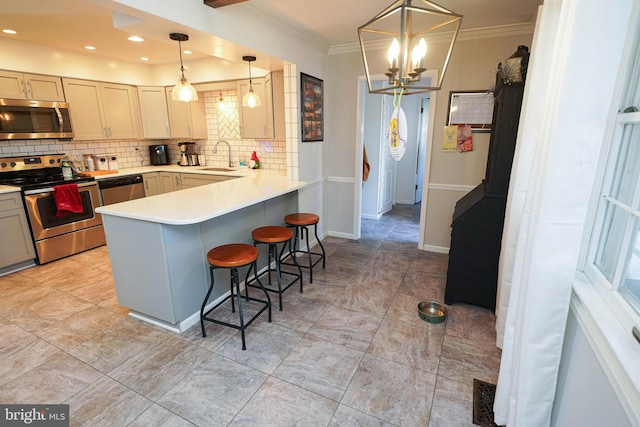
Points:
[(54, 236)]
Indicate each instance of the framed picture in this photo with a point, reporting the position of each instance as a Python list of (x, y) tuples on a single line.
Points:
[(474, 108), (312, 108)]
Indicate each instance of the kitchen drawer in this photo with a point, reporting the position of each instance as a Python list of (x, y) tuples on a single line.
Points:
[(10, 201)]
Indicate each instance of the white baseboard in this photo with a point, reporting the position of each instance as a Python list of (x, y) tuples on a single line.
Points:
[(438, 249)]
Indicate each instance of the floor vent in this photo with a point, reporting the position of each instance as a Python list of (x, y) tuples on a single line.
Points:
[(483, 395)]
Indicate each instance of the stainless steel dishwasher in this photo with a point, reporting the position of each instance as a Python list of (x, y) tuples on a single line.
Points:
[(121, 189)]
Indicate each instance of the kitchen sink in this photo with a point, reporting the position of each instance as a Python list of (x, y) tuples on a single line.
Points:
[(218, 169)]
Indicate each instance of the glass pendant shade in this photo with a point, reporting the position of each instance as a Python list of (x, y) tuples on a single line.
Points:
[(398, 43), (182, 91), (250, 99)]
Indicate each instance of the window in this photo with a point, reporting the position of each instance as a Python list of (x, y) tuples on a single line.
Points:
[(613, 260)]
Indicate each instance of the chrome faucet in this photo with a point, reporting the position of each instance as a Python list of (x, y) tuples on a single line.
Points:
[(215, 151)]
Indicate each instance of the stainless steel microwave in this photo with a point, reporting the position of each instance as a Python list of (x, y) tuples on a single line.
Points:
[(26, 119)]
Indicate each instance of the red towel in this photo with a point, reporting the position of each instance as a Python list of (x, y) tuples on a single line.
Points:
[(67, 199)]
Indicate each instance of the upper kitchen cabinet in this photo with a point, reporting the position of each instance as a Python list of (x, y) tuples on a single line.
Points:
[(187, 119), (266, 121), (30, 86), (154, 112), (102, 110)]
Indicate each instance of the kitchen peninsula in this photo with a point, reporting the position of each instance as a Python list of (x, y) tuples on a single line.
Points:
[(158, 245)]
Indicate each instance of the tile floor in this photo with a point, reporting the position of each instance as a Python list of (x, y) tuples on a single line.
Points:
[(349, 351)]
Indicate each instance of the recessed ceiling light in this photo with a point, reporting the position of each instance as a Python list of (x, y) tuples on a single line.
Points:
[(187, 52), (135, 39), (8, 31), (90, 47), (144, 58)]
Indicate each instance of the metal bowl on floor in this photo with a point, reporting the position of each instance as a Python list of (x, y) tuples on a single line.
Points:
[(432, 311)]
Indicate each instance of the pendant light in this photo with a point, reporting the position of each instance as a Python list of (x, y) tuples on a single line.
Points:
[(250, 100), (182, 91), (404, 28)]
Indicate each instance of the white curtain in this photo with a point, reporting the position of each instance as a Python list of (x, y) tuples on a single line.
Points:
[(567, 100)]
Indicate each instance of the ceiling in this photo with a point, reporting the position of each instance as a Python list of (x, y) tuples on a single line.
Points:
[(73, 24)]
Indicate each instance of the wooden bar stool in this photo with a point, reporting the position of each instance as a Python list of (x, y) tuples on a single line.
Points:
[(301, 222), (273, 235), (232, 257)]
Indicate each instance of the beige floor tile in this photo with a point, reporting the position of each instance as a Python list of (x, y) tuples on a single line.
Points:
[(280, 404), (214, 392), (473, 324), (112, 347), (52, 382), (46, 310), (96, 290), (366, 299), (299, 313), (106, 403), (11, 333), (404, 308), (267, 345), (391, 392), (157, 416), (452, 404), (350, 328), (349, 417), (417, 346), (156, 369), (320, 366), (424, 285), (462, 361), (79, 327), (24, 354)]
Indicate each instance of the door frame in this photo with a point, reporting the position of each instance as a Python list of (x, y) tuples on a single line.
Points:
[(357, 220)]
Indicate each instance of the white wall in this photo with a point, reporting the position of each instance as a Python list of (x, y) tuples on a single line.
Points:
[(584, 400)]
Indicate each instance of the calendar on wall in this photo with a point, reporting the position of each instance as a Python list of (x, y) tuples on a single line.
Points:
[(474, 108)]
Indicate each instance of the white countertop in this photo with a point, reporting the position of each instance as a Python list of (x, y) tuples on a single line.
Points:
[(199, 204), (8, 189)]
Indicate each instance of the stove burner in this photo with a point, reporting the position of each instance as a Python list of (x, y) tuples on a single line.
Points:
[(42, 172)]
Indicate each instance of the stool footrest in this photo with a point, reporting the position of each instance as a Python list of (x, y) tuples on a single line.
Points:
[(284, 287), (231, 325)]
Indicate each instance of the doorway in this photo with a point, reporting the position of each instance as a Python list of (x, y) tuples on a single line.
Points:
[(391, 182)]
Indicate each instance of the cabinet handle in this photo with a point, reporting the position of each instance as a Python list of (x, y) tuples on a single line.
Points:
[(29, 90), (177, 181), (24, 87), (106, 131), (189, 130)]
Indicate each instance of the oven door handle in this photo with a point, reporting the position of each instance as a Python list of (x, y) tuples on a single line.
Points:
[(50, 189)]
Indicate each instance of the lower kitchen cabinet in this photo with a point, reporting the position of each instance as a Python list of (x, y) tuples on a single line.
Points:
[(190, 180), (16, 244), (169, 181), (151, 184)]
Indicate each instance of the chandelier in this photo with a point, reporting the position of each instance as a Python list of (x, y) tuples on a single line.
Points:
[(405, 29)]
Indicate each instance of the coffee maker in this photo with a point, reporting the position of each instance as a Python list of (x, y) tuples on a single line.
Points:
[(188, 154)]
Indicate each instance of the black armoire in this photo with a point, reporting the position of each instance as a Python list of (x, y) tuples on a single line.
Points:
[(478, 217)]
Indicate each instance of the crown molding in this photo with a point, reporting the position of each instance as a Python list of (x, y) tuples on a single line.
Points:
[(473, 34)]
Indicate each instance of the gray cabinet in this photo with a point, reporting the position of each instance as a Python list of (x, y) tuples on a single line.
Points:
[(154, 113), (151, 184), (15, 245), (190, 180), (187, 119), (266, 121), (102, 110), (169, 181), (30, 86)]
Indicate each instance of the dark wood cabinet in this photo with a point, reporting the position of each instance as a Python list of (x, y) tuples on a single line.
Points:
[(478, 217)]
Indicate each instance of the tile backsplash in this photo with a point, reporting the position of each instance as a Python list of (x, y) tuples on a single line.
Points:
[(133, 153)]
